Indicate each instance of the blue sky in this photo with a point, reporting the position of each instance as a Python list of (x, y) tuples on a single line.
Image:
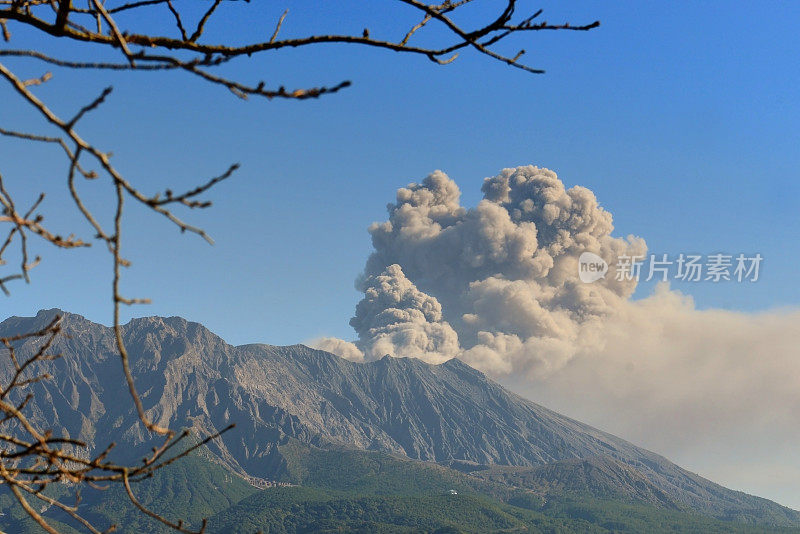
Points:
[(681, 117), (682, 120)]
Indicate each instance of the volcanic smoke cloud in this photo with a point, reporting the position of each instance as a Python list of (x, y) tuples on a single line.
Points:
[(502, 275), (497, 286)]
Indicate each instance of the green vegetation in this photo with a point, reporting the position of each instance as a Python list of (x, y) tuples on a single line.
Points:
[(369, 492), (375, 473), (14, 520), (358, 491), (606, 515), (306, 510), (190, 489), (309, 510)]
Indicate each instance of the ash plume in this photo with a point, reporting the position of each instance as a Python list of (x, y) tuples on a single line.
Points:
[(502, 274), (496, 285)]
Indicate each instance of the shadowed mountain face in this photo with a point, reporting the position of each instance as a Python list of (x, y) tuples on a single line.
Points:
[(448, 413)]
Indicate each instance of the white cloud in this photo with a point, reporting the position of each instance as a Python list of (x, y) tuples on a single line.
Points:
[(343, 349)]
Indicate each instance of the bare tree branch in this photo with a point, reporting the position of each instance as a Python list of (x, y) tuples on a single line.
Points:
[(31, 457)]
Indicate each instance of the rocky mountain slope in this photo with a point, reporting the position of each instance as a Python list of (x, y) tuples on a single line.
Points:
[(449, 414)]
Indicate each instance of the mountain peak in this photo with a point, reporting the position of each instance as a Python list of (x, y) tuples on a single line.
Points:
[(455, 363), (191, 378), (464, 370), (21, 324), (52, 312)]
